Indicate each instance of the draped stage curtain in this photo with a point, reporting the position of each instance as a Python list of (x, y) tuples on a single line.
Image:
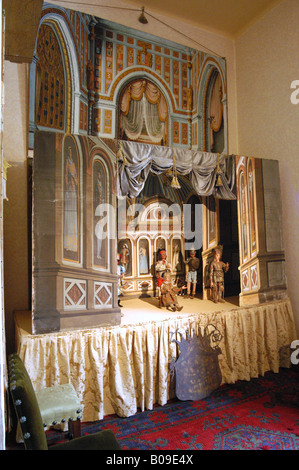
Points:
[(125, 368), (136, 160), (216, 109), (143, 104)]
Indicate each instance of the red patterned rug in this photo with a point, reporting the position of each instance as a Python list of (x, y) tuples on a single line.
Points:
[(261, 414)]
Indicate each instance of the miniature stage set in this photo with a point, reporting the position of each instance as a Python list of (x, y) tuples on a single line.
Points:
[(104, 349), (144, 228), (102, 235)]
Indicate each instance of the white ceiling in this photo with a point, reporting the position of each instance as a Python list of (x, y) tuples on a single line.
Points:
[(226, 17)]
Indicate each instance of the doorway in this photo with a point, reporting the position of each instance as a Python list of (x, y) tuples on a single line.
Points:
[(228, 224)]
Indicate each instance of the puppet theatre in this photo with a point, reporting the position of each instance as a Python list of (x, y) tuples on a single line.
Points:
[(131, 168)]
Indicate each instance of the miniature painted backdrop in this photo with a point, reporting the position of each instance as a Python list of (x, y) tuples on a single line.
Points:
[(74, 268)]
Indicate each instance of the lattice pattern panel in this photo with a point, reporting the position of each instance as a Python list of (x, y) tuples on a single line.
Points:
[(74, 294), (146, 284), (51, 86), (127, 286), (254, 277), (102, 295), (245, 281)]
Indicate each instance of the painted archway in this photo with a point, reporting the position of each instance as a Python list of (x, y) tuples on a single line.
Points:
[(143, 112), (54, 79), (212, 73)]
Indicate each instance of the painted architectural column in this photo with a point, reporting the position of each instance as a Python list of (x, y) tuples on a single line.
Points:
[(32, 99), (90, 77)]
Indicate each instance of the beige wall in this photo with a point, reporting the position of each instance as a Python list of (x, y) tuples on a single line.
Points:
[(267, 63), (15, 214)]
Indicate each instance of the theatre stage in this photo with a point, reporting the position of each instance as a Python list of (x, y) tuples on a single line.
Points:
[(147, 309), (123, 369)]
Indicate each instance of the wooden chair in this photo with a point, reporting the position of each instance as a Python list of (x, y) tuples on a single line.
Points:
[(30, 419)]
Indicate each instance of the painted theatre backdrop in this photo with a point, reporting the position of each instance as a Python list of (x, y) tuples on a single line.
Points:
[(93, 85), (74, 269)]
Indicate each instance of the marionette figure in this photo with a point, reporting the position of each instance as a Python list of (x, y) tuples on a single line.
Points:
[(169, 294), (217, 270), (125, 257), (182, 286), (192, 265), (162, 266)]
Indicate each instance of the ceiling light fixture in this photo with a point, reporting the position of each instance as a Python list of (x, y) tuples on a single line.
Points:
[(142, 19)]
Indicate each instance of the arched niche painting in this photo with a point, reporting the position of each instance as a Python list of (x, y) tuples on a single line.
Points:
[(242, 219), (125, 252), (251, 208), (160, 245), (71, 201), (214, 122), (143, 113), (177, 257), (211, 220), (100, 218), (143, 257)]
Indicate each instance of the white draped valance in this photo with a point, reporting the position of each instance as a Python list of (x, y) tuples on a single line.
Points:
[(209, 173)]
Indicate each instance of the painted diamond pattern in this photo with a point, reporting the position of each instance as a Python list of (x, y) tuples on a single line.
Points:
[(245, 280), (102, 295), (144, 285), (74, 294), (254, 277)]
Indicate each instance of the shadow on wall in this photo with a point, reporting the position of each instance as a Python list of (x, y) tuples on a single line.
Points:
[(17, 276)]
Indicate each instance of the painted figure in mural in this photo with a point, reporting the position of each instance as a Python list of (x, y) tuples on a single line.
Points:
[(177, 256), (143, 258), (125, 257), (243, 217), (192, 265), (162, 266), (160, 247), (169, 294), (70, 204), (99, 191), (217, 270)]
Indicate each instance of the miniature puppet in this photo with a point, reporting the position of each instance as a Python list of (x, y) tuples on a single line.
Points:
[(217, 270), (169, 294), (192, 265)]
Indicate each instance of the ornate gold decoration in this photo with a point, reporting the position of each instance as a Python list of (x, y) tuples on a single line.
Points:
[(120, 154), (143, 57), (174, 182), (218, 172), (190, 98), (53, 94)]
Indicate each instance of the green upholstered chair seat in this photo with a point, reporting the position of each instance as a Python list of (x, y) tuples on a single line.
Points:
[(58, 404), (30, 419), (103, 440)]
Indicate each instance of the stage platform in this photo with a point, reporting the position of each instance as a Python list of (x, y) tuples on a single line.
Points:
[(125, 368), (146, 309)]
